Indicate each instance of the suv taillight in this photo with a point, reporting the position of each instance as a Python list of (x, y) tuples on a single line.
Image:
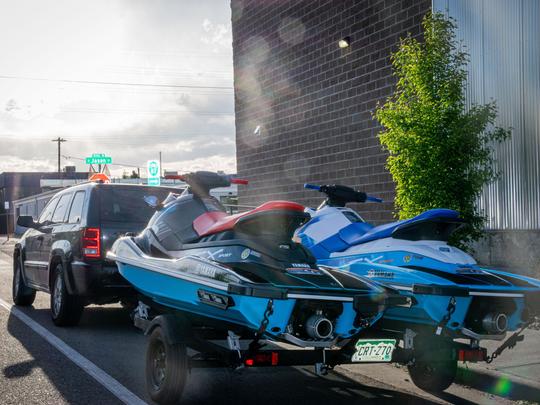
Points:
[(91, 243)]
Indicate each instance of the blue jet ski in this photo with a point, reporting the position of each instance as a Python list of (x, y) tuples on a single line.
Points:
[(454, 297), (229, 272)]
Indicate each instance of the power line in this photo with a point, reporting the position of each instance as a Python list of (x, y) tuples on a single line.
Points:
[(175, 86), (135, 111), (119, 137)]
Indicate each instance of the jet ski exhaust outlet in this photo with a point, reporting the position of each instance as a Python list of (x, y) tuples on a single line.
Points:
[(319, 327), (495, 323)]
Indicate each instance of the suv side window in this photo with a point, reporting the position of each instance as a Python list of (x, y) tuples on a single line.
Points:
[(75, 213), (46, 215), (61, 208)]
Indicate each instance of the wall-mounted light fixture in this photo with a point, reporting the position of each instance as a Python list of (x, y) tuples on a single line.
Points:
[(344, 42)]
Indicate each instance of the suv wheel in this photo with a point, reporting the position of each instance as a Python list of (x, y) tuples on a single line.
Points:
[(22, 295), (66, 309)]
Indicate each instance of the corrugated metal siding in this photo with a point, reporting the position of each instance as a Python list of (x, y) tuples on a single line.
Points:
[(502, 38)]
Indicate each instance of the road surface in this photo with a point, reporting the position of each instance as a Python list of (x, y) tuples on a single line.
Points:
[(101, 361)]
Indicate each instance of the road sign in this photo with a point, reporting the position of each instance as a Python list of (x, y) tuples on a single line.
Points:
[(98, 159), (153, 173), (6, 205)]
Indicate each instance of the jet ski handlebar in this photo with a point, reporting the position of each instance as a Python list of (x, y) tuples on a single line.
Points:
[(339, 196), (205, 181)]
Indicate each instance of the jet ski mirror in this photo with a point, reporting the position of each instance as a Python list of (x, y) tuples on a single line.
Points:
[(152, 201)]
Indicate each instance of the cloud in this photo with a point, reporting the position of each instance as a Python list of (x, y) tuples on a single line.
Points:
[(16, 164), (216, 34), (138, 42), (212, 163)]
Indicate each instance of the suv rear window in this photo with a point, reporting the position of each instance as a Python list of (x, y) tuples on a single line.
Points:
[(126, 204), (75, 213), (46, 215), (61, 208)]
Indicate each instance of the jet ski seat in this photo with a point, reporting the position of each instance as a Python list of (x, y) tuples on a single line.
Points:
[(217, 221), (398, 229)]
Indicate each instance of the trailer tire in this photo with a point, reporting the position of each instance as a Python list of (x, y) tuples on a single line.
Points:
[(434, 375), (166, 368)]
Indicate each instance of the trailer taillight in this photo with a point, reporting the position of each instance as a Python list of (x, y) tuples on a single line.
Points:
[(262, 359), (91, 243), (472, 355)]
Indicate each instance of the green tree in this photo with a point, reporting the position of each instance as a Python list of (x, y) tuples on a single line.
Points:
[(439, 150)]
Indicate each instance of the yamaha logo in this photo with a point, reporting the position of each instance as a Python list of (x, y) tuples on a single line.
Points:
[(245, 254)]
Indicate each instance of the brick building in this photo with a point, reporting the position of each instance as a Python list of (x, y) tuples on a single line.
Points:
[(304, 105)]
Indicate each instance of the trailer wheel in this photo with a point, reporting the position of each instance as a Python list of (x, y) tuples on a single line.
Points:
[(434, 374), (166, 369)]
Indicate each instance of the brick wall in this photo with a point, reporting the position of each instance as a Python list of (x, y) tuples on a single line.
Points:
[(311, 100)]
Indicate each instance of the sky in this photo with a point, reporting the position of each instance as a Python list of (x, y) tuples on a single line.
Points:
[(127, 78)]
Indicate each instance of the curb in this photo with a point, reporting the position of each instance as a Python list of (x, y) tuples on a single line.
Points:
[(498, 383)]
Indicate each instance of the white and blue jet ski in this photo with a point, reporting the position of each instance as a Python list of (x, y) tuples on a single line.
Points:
[(453, 296)]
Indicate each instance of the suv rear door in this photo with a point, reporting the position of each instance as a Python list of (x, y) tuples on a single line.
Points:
[(50, 234), (34, 266)]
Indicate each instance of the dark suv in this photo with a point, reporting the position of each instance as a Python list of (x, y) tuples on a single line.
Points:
[(63, 253)]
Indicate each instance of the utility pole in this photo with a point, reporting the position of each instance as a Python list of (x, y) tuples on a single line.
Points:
[(59, 141)]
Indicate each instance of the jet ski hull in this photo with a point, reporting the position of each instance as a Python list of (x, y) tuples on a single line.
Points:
[(446, 283), (210, 291), (185, 296), (447, 295)]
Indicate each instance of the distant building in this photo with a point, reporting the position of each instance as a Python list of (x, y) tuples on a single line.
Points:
[(304, 105), (16, 185)]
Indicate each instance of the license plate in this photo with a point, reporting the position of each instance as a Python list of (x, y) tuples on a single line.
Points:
[(374, 350)]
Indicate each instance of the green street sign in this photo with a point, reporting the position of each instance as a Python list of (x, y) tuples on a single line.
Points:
[(153, 173), (98, 159)]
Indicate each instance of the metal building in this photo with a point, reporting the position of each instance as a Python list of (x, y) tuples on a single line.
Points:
[(503, 40)]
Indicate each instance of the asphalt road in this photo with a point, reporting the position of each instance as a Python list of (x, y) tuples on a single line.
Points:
[(32, 371)]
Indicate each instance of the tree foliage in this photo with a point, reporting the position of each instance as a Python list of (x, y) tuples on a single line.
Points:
[(440, 152)]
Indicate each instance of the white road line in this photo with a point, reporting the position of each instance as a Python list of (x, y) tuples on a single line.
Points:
[(117, 389)]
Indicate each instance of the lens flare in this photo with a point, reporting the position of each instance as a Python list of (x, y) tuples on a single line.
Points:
[(503, 386)]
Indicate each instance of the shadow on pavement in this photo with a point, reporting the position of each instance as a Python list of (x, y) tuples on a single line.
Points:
[(453, 399), (107, 337), (287, 386), (501, 386), (74, 385), (21, 369)]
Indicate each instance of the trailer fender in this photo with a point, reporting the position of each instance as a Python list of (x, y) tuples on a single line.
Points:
[(176, 329)]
